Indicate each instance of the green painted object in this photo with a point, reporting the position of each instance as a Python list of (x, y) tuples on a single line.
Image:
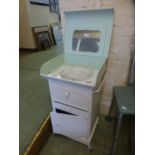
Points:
[(96, 20), (87, 36), (125, 97)]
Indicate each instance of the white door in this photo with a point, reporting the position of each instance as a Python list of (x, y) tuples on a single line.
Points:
[(70, 125)]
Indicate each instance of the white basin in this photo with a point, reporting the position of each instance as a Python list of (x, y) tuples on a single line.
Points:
[(75, 73)]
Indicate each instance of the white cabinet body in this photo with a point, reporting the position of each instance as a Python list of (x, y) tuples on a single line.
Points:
[(74, 110)]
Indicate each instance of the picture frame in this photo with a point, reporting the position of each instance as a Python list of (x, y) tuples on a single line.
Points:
[(43, 37), (52, 4)]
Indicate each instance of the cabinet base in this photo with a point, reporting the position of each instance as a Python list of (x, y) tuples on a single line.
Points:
[(79, 139)]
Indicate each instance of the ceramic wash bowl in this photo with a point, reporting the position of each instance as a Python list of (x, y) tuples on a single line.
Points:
[(75, 73)]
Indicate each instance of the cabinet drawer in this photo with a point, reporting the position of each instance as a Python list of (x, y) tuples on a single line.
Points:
[(71, 97), (70, 109), (72, 126)]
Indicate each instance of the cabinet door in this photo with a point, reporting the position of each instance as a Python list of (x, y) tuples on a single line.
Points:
[(70, 125)]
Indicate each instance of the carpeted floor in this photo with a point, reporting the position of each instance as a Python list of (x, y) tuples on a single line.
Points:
[(101, 142), (34, 96)]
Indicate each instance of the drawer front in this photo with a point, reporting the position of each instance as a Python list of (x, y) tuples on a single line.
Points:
[(71, 97), (70, 109), (69, 125)]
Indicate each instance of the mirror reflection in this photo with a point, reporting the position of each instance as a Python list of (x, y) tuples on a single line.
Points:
[(86, 40)]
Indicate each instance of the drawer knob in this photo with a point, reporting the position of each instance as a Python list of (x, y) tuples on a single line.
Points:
[(67, 94)]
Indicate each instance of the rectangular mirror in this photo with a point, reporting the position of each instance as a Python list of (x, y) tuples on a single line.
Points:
[(86, 41)]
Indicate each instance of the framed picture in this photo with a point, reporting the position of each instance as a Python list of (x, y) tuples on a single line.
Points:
[(52, 4), (40, 2), (43, 37)]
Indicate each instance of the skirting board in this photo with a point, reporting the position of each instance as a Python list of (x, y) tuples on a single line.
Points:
[(43, 134), (40, 138), (28, 49)]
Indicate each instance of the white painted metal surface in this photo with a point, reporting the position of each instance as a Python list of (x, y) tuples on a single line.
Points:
[(74, 127), (75, 110), (69, 96), (70, 125)]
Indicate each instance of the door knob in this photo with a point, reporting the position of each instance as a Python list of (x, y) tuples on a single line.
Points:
[(67, 94)]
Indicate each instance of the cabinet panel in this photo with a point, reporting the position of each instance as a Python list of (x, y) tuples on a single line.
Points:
[(70, 97), (70, 125)]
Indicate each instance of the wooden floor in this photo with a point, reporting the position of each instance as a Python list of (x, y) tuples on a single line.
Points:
[(40, 138)]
